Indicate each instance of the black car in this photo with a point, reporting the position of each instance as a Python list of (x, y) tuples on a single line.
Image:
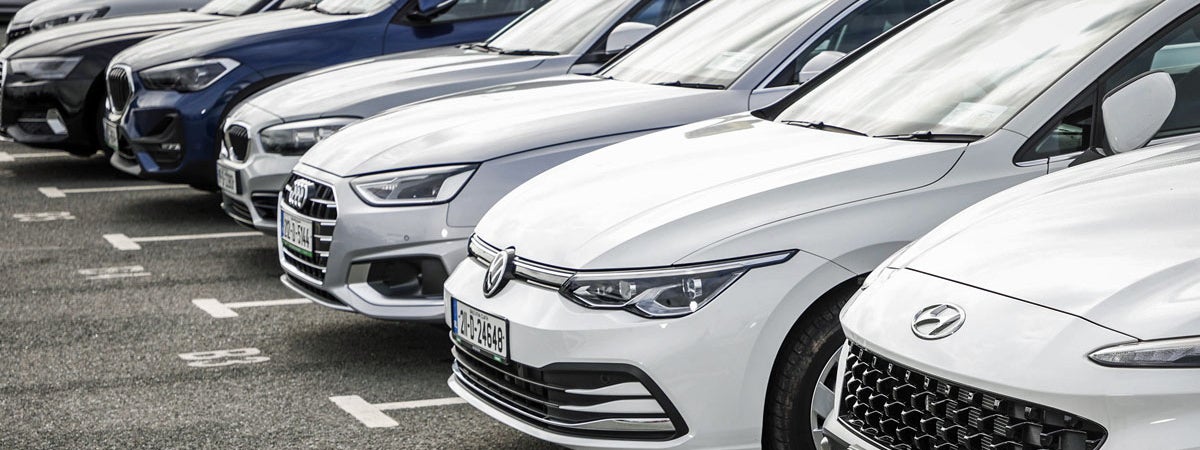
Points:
[(52, 90)]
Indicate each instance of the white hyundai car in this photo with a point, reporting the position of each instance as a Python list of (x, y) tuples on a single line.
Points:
[(1060, 314), (374, 217), (268, 133), (682, 289)]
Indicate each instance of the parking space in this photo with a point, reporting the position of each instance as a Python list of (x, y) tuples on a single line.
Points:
[(189, 340)]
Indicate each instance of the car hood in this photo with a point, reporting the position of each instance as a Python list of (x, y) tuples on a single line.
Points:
[(65, 40), (508, 119), (228, 35), (117, 8), (1117, 243), (655, 200), (364, 88)]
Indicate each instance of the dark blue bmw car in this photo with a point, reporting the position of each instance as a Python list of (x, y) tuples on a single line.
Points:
[(167, 96)]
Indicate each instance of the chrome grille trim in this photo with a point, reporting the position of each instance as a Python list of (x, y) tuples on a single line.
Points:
[(119, 83), (525, 270)]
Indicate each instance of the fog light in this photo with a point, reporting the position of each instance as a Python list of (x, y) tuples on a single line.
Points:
[(171, 148), (55, 121)]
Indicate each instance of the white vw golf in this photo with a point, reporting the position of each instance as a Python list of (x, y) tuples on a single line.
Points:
[(397, 196), (1060, 314), (682, 289)]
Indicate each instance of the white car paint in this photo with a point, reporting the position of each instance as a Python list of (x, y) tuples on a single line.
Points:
[(1045, 274), (365, 88), (516, 131), (740, 186), (40, 10)]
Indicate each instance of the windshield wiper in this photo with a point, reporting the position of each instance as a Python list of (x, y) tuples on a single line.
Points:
[(929, 136), (823, 127), (715, 87), (528, 52), (481, 46)]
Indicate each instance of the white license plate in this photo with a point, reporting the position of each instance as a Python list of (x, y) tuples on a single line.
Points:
[(297, 233), (227, 179), (483, 331), (112, 137)]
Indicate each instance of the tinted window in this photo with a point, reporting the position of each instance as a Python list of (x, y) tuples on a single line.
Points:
[(475, 9)]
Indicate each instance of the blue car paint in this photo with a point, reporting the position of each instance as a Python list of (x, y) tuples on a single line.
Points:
[(192, 119)]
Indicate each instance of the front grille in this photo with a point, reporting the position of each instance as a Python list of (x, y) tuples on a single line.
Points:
[(265, 204), (589, 400), (120, 88), (902, 409), (237, 140), (318, 205)]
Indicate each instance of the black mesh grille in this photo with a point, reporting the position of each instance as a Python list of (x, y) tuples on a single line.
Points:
[(237, 209), (120, 91), (903, 409), (265, 204), (544, 397), (237, 139), (319, 205)]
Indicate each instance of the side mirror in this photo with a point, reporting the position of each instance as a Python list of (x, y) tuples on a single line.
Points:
[(427, 10), (1134, 112), (627, 34), (818, 64)]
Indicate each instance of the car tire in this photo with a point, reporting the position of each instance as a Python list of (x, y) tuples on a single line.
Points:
[(808, 356)]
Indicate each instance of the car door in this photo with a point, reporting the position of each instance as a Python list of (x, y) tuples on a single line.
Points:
[(464, 21), (856, 26), (1076, 134)]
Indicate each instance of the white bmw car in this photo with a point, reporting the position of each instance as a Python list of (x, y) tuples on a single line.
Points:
[(267, 134), (374, 217), (682, 289), (1060, 314)]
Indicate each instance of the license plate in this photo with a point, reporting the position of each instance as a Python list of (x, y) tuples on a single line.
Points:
[(227, 179), (297, 233), (482, 331), (112, 137)]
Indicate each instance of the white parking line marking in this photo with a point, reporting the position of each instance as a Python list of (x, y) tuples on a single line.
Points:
[(43, 217), (220, 310), (8, 157), (110, 273), (372, 415), (54, 192), (126, 243), (222, 358)]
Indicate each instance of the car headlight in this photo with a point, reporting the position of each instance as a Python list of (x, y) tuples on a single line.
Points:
[(295, 139), (51, 68), (413, 187), (1168, 354), (187, 76), (663, 293), (44, 22)]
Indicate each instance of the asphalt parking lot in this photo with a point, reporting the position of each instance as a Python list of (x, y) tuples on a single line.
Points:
[(136, 315)]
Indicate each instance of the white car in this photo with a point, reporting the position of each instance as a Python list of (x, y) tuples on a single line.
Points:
[(708, 263), (1059, 314), (375, 216), (266, 135), (43, 14)]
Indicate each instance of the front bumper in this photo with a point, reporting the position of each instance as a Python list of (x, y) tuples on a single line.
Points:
[(370, 247), (58, 114), (712, 367), (1021, 352)]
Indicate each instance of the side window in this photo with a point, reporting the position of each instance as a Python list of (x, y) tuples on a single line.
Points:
[(656, 12), (477, 9), (853, 31), (1073, 132), (1178, 54)]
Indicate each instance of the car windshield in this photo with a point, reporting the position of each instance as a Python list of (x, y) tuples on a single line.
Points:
[(715, 44), (231, 7), (557, 27), (352, 6), (966, 69)]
